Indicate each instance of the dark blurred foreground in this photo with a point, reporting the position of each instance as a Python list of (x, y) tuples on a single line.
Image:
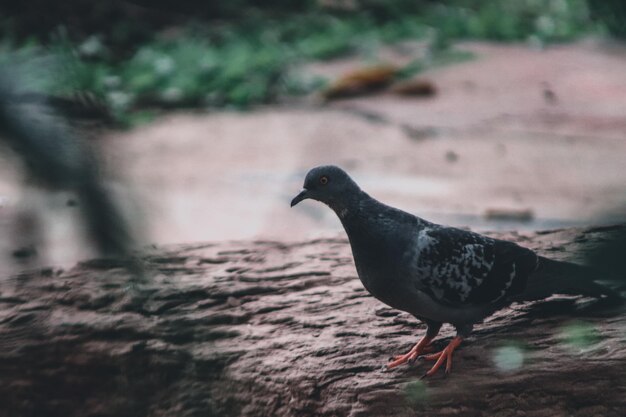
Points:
[(54, 159)]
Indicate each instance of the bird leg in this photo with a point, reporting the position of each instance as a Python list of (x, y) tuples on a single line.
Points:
[(421, 347), (444, 356)]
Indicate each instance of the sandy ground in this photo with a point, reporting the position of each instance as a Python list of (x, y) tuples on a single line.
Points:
[(490, 139)]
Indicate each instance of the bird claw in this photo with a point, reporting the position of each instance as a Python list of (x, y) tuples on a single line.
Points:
[(423, 346), (445, 356)]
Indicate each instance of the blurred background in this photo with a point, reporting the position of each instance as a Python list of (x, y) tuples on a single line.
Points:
[(204, 116)]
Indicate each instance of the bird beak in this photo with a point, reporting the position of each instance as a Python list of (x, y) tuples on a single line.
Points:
[(302, 195)]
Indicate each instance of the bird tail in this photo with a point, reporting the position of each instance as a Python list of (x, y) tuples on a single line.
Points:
[(558, 277)]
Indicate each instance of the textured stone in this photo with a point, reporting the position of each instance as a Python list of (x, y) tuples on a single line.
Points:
[(277, 329)]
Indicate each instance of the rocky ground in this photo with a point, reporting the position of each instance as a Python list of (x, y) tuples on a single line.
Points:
[(267, 328)]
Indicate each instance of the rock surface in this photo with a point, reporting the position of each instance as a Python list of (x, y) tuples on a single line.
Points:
[(286, 329)]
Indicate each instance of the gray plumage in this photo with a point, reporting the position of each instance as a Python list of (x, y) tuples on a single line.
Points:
[(439, 274)]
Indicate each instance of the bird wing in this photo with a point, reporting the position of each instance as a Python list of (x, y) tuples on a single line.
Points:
[(460, 268)]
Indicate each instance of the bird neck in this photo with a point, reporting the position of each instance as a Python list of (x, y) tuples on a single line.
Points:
[(350, 205), (364, 216)]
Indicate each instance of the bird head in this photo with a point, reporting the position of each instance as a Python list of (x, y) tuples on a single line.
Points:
[(328, 184)]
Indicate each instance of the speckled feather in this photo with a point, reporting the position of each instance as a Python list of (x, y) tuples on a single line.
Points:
[(457, 267), (395, 251)]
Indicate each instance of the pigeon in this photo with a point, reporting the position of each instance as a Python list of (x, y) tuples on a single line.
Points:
[(436, 273)]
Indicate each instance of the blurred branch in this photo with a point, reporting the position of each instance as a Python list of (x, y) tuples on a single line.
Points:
[(55, 159)]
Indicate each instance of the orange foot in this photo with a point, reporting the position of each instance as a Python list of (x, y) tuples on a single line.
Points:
[(421, 347), (443, 356)]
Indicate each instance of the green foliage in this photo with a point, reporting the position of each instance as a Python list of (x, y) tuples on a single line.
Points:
[(510, 20), (234, 65), (612, 13), (254, 59)]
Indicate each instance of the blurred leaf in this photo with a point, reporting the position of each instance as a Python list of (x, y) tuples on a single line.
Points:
[(416, 393), (579, 335), (255, 58), (509, 357)]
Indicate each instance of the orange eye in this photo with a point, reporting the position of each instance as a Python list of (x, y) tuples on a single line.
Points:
[(324, 180)]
